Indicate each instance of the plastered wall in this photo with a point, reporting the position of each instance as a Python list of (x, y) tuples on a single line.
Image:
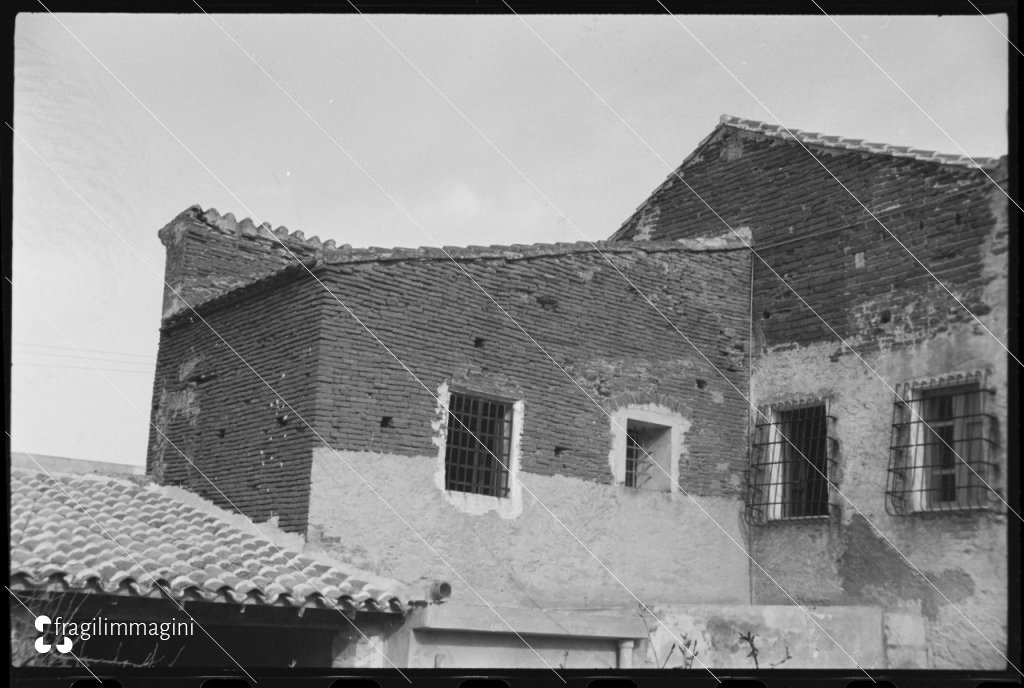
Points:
[(660, 545), (845, 560)]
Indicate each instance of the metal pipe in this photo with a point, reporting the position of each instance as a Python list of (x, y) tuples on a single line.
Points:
[(625, 654), (439, 590)]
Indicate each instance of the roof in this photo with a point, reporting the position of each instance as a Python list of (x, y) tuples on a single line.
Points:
[(854, 145), (72, 465), (314, 254), (62, 527), (329, 252)]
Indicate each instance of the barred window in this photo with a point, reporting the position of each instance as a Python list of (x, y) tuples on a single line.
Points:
[(646, 443), (791, 464), (478, 445), (636, 465), (941, 447)]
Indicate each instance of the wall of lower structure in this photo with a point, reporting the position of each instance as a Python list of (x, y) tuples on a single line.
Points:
[(454, 649), (232, 390), (780, 637)]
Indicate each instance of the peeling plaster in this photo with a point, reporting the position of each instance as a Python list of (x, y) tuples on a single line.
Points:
[(647, 223), (844, 560)]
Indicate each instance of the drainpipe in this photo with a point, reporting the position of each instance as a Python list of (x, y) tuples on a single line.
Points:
[(625, 654)]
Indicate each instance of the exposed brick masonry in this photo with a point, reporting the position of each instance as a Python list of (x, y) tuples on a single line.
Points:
[(209, 254), (585, 315), (852, 273), (210, 405)]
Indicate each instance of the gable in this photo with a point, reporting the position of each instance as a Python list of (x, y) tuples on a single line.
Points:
[(748, 173)]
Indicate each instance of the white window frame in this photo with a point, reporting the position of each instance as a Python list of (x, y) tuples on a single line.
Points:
[(472, 503), (775, 464), (651, 414), (921, 496)]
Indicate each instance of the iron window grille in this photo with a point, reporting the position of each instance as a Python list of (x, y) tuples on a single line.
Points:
[(942, 445), (791, 461), (639, 454), (478, 445)]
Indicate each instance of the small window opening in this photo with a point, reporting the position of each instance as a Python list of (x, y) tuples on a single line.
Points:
[(648, 455)]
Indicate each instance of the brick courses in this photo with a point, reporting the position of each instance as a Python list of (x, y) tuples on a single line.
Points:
[(810, 230), (421, 306), (581, 312), (209, 406)]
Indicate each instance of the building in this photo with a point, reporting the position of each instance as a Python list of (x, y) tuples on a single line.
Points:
[(750, 397), (896, 347)]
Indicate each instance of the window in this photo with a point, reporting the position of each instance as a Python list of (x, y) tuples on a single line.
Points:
[(648, 448), (941, 446), (646, 442), (478, 445), (792, 456)]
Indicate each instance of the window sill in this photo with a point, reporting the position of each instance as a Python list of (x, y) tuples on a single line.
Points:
[(823, 518), (478, 504), (953, 510)]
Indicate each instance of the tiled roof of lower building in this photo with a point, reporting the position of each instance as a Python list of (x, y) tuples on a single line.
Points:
[(132, 537)]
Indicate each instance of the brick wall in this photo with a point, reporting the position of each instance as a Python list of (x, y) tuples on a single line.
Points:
[(584, 314), (824, 244), (211, 406)]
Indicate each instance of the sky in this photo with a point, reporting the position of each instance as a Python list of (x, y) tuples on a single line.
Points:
[(400, 130)]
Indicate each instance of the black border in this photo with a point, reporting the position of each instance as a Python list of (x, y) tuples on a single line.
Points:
[(574, 678)]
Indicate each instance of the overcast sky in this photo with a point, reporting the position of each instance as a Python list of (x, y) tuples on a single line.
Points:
[(123, 121)]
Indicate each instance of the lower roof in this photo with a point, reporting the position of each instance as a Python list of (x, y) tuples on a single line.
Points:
[(128, 536)]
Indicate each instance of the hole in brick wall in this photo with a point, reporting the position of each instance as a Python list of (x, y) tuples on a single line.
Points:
[(886, 316), (283, 418), (560, 450), (385, 421), (766, 315), (479, 342), (548, 302), (221, 432), (958, 218), (701, 383)]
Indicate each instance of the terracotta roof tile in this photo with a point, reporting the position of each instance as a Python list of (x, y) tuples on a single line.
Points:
[(816, 139), (164, 547)]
